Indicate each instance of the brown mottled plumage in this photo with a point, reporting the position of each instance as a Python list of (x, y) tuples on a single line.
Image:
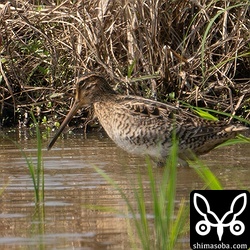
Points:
[(145, 127)]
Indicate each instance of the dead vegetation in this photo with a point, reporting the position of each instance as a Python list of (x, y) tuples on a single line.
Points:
[(195, 51)]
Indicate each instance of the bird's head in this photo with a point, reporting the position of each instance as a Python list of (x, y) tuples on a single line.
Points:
[(89, 89), (92, 88)]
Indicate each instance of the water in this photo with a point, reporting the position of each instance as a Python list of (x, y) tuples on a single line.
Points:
[(81, 210)]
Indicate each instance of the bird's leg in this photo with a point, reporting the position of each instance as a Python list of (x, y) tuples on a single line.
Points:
[(182, 163)]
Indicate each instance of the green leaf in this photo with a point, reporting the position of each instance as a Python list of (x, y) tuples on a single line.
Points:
[(205, 115), (131, 68), (238, 140)]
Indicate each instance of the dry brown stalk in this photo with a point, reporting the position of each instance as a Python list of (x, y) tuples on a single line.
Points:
[(196, 51)]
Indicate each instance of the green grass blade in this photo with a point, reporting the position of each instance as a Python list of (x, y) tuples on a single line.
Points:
[(157, 204), (210, 180), (31, 168), (227, 114), (204, 114), (240, 139), (129, 204), (178, 224), (131, 68), (39, 168), (171, 190), (144, 227)]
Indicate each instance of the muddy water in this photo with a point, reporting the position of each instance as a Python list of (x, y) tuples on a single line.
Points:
[(73, 216)]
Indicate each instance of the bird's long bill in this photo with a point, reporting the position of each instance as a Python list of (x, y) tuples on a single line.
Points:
[(64, 124)]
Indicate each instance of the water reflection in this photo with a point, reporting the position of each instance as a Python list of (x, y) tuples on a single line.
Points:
[(73, 214)]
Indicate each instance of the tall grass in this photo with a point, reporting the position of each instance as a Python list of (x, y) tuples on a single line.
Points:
[(36, 169), (205, 113), (196, 51), (169, 221), (168, 224)]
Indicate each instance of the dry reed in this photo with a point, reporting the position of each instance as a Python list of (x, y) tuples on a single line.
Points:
[(196, 51)]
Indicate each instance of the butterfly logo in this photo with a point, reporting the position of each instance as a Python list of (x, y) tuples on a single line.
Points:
[(210, 219)]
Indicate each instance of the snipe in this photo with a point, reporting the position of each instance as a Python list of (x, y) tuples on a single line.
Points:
[(145, 127)]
